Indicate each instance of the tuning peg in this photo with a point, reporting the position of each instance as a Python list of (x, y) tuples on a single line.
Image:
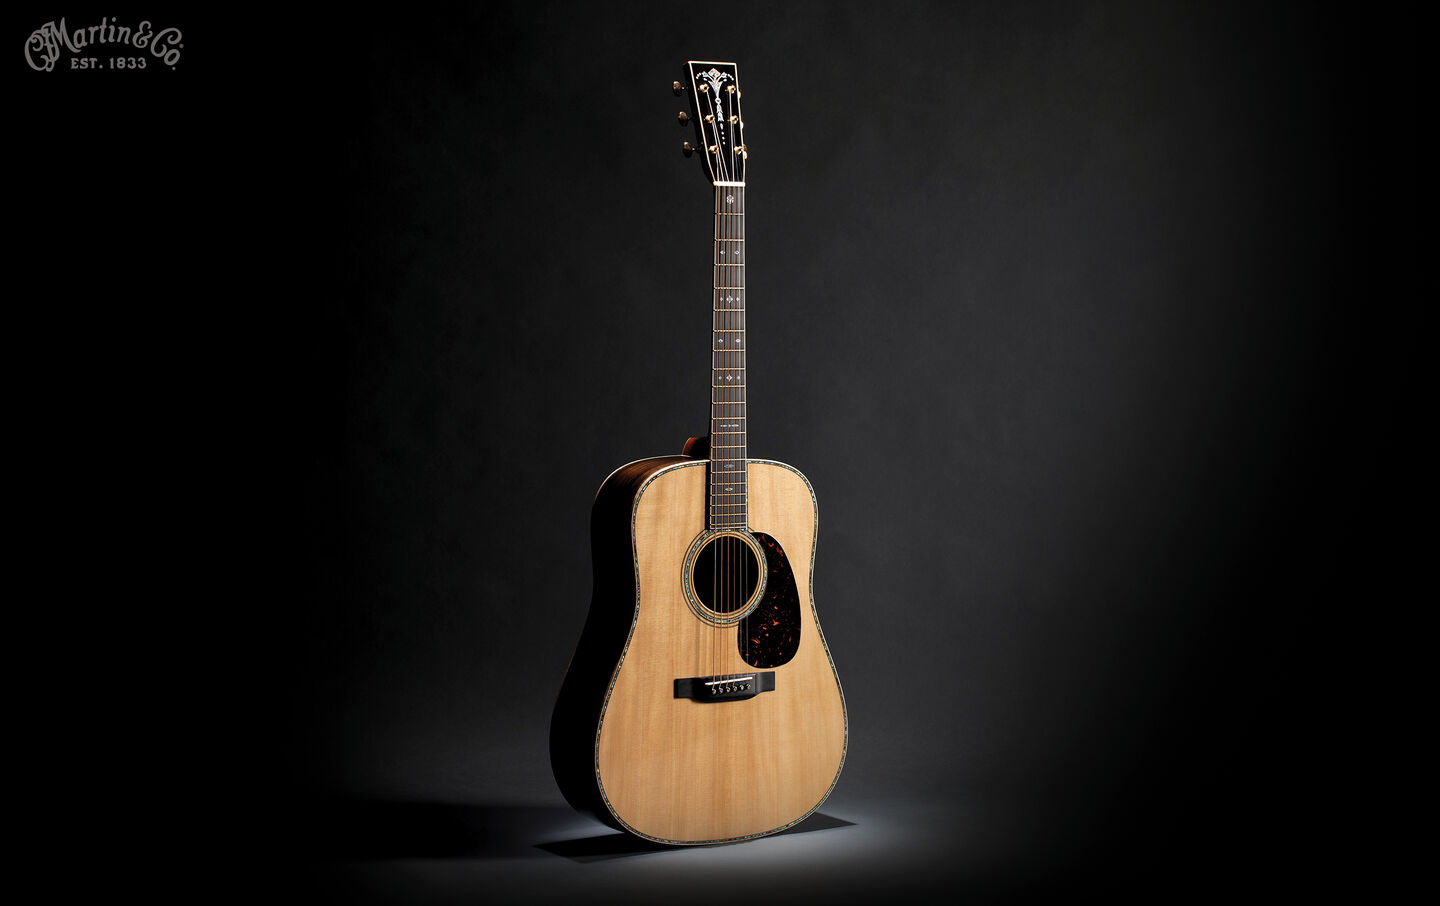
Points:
[(678, 89), (687, 149), (683, 117)]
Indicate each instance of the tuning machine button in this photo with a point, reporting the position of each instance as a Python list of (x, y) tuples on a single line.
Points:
[(682, 117), (687, 149), (677, 88)]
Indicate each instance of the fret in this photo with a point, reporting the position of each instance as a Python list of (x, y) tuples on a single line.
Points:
[(729, 287)]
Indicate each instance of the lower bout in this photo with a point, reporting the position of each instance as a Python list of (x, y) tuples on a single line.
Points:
[(682, 771)]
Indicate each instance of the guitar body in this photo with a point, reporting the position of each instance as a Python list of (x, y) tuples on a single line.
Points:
[(676, 769)]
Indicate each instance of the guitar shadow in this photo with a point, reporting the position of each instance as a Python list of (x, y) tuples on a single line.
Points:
[(379, 830), (618, 845)]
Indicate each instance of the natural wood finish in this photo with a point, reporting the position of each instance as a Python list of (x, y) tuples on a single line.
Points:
[(683, 771)]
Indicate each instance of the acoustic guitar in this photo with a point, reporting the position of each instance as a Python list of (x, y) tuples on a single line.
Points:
[(702, 704)]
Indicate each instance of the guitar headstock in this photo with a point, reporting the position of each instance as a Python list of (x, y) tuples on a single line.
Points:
[(714, 90)]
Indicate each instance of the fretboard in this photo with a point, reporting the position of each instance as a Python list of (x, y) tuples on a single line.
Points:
[(728, 451)]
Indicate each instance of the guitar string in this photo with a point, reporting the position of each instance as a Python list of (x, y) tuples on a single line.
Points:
[(717, 110), (742, 383), (736, 589), (730, 555), (722, 317), (741, 354), (727, 318), (735, 545), (742, 553), (741, 549), (716, 457)]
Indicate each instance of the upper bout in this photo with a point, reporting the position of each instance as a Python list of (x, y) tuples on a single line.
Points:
[(782, 504)]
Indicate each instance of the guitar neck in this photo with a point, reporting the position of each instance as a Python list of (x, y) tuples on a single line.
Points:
[(728, 449)]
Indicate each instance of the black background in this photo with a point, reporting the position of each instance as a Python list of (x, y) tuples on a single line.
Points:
[(1091, 324)]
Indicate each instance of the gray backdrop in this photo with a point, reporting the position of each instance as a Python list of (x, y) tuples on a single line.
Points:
[(1085, 320)]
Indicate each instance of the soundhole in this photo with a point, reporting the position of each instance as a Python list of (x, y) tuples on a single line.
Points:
[(726, 574)]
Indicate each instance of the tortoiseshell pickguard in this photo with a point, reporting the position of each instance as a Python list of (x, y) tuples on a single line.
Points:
[(770, 636)]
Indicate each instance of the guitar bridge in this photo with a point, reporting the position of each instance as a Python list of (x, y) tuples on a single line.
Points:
[(725, 688)]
